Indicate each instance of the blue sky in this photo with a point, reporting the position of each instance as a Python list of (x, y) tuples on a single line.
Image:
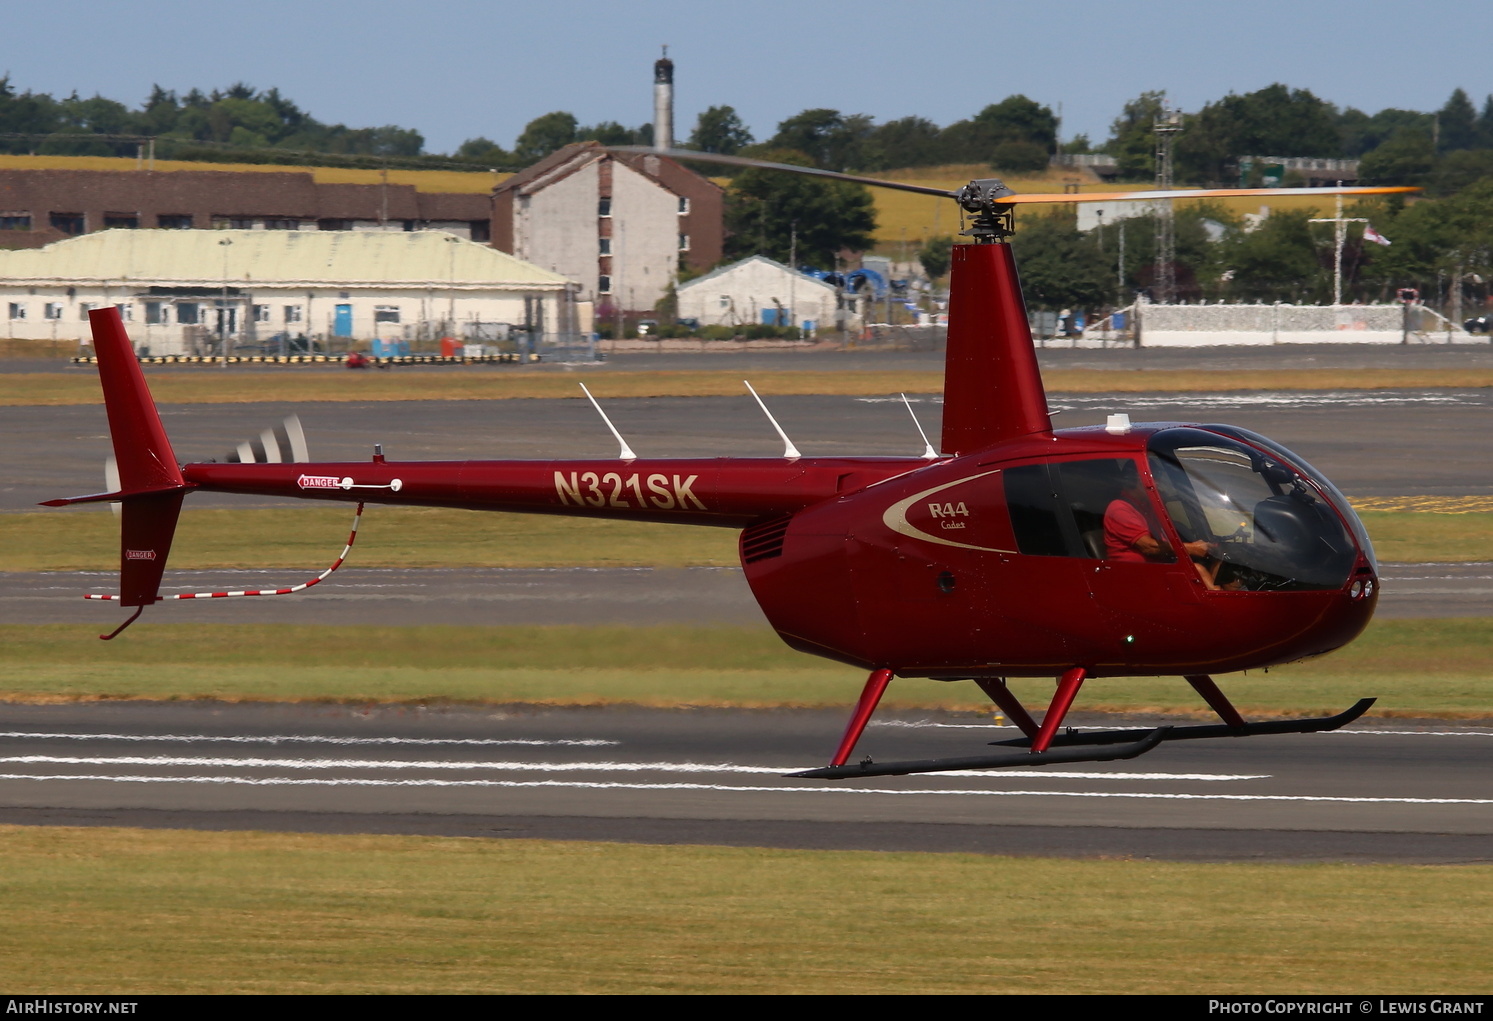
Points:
[(455, 69)]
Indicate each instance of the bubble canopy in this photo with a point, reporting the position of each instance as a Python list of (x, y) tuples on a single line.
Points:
[(1276, 523)]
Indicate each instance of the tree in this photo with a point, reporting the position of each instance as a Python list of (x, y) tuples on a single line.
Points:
[(1018, 119), (1061, 268), (1275, 121), (1458, 170), (765, 208), (936, 255), (908, 142), (1361, 133), (485, 151), (543, 135), (612, 133), (834, 141), (1485, 125), (1278, 261), (1132, 139), (1407, 158), (1438, 238), (719, 130), (1015, 119), (1457, 124)]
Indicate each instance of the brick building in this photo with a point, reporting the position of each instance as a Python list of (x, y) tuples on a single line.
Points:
[(619, 224), (38, 207)]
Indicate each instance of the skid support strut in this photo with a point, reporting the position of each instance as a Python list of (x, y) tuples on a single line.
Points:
[(1062, 700), (995, 688), (1216, 699), (870, 696)]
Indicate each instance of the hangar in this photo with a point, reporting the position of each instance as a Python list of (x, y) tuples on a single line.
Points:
[(187, 291)]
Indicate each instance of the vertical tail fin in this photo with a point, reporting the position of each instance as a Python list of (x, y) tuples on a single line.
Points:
[(141, 449), (992, 387), (150, 484)]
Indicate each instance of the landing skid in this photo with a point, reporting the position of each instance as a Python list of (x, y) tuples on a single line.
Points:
[(1149, 740), (1103, 737), (1039, 739)]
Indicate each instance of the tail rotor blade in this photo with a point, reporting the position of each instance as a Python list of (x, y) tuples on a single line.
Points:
[(111, 481), (295, 438), (283, 444)]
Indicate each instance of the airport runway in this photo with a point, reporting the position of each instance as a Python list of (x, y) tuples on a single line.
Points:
[(1405, 791), (1376, 443), (1370, 443), (1389, 791)]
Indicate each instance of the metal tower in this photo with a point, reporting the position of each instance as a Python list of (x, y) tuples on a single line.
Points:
[(1168, 125)]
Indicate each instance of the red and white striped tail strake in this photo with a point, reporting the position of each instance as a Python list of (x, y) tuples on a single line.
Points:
[(303, 586)]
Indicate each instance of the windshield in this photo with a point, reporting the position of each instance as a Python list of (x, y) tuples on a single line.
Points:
[(1334, 495), (1271, 528)]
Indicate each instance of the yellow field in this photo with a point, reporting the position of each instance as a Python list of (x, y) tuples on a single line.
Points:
[(902, 217), (475, 182)]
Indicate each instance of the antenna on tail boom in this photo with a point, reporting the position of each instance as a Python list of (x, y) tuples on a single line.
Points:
[(929, 454), (626, 452), (789, 450)]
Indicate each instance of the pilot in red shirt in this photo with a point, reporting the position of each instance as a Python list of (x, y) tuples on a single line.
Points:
[(1131, 535)]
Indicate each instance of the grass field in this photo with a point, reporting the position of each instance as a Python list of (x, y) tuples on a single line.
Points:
[(210, 385), (1415, 668), (130, 911), (302, 538)]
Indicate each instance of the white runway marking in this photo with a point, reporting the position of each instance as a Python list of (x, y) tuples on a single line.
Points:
[(729, 789), (1237, 399), (1346, 732), (558, 767), (316, 739)]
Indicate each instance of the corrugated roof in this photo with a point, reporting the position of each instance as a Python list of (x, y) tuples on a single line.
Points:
[(292, 257), (721, 270)]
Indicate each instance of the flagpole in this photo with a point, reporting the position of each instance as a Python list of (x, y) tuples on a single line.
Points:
[(1340, 234)]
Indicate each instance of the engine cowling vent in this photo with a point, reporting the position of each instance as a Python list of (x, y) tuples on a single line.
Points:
[(764, 541)]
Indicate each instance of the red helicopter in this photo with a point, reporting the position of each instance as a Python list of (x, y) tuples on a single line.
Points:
[(1018, 551)]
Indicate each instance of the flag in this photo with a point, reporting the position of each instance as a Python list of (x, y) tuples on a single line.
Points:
[(1370, 234)]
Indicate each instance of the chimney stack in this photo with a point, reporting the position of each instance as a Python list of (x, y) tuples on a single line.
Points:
[(663, 102)]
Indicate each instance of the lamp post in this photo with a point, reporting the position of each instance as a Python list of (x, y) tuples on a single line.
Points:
[(223, 307), (451, 289)]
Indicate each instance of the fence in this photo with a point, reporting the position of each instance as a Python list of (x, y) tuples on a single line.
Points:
[(885, 337), (1202, 325)]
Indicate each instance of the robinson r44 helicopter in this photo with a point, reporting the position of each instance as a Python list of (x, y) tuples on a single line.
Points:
[(1018, 551)]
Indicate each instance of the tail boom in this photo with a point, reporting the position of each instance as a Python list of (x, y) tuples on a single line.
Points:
[(706, 491)]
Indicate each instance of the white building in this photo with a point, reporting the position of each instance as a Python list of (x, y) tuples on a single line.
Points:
[(180, 290), (739, 294)]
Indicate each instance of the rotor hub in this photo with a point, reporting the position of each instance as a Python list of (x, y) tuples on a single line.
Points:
[(993, 219)]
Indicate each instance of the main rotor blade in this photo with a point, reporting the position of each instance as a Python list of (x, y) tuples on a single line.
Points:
[(746, 161), (1065, 197), (1203, 193)]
